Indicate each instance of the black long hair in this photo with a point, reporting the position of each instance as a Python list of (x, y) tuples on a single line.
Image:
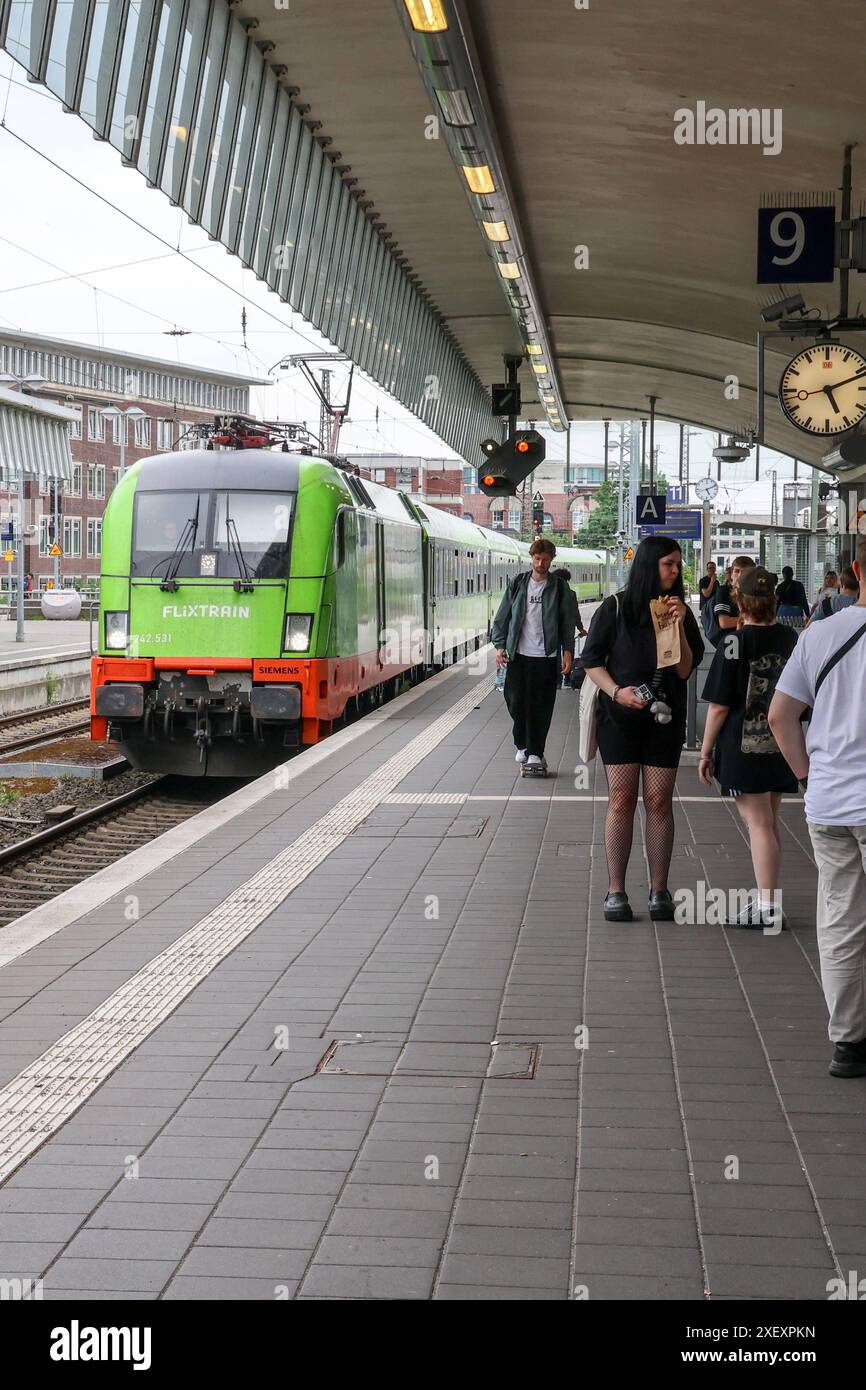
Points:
[(643, 579)]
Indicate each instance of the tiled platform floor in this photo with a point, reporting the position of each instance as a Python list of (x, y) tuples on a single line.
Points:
[(691, 1144)]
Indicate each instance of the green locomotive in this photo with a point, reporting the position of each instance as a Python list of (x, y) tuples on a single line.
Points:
[(253, 600)]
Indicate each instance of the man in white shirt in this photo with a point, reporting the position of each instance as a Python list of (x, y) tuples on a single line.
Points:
[(534, 621), (831, 754)]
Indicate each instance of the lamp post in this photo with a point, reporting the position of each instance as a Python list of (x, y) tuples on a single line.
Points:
[(113, 412), (32, 379)]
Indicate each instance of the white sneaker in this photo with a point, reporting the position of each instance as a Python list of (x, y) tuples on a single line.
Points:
[(534, 761), (520, 755)]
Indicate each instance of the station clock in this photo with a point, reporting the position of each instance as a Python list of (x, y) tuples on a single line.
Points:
[(823, 389)]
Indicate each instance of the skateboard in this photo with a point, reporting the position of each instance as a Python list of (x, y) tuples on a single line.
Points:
[(539, 770)]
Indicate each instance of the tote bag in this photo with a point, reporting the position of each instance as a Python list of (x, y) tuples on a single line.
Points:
[(588, 741)]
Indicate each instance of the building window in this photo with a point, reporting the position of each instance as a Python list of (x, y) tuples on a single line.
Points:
[(96, 480), (142, 432), (75, 485), (118, 425), (94, 537), (75, 427), (164, 434), (498, 520), (72, 537), (95, 424), (44, 537), (115, 477)]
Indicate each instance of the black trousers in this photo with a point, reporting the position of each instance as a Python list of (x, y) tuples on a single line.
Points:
[(530, 694)]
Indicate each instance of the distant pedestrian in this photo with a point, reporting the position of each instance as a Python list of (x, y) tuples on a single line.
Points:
[(28, 583), (708, 588), (641, 663), (849, 592), (725, 612), (827, 592), (827, 671), (793, 606), (578, 622), (738, 745), (534, 622)]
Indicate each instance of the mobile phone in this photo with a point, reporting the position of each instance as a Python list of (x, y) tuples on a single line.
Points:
[(644, 693)]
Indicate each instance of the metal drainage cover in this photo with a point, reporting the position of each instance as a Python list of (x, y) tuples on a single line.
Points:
[(514, 1061)]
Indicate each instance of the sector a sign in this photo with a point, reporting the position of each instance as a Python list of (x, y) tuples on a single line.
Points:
[(651, 510)]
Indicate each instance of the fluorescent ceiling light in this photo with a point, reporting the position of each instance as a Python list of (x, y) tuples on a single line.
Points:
[(427, 16), (534, 349), (539, 368), (479, 178), (456, 107), (509, 269), (497, 231)]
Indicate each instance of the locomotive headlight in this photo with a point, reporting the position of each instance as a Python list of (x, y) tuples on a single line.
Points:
[(116, 631), (297, 634)]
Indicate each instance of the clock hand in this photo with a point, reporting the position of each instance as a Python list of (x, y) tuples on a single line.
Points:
[(829, 393), (836, 384)]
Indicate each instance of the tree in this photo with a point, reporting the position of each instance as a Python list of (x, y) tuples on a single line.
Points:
[(600, 527)]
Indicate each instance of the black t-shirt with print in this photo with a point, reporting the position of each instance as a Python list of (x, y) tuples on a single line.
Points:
[(743, 677)]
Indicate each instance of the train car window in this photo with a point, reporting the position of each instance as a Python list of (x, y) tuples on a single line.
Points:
[(340, 540), (169, 528), (251, 534)]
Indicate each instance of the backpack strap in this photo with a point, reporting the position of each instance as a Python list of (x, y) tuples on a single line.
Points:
[(826, 607), (837, 657)]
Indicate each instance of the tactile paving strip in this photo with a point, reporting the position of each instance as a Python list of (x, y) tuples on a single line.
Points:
[(44, 1095)]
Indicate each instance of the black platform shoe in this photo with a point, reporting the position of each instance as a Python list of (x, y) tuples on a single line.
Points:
[(617, 908), (661, 905)]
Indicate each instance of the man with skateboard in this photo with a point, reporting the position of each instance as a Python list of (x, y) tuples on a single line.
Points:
[(534, 620)]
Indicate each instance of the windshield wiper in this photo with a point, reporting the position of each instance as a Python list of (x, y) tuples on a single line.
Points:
[(242, 585), (187, 539)]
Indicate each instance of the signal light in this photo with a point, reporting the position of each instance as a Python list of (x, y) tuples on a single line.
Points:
[(488, 480), (522, 446), (514, 460)]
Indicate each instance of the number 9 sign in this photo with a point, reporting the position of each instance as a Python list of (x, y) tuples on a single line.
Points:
[(796, 244)]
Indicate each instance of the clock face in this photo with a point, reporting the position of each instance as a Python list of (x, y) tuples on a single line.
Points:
[(823, 389), (706, 489)]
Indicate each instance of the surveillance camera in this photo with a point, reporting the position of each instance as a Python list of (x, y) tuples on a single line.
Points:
[(794, 304), (731, 453)]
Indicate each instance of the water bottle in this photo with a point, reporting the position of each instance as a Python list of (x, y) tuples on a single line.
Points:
[(501, 672)]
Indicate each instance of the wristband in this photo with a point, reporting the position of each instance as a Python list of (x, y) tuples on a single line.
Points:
[(616, 690)]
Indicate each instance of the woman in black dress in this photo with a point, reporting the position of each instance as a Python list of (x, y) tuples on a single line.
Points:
[(635, 735), (738, 744)]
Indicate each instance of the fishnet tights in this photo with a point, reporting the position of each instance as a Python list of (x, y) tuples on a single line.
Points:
[(622, 786)]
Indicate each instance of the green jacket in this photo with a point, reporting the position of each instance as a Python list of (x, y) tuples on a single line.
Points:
[(558, 615)]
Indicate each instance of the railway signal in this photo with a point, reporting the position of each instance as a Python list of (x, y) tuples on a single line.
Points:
[(509, 463)]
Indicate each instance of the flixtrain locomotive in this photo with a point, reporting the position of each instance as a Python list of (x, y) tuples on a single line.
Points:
[(253, 600)]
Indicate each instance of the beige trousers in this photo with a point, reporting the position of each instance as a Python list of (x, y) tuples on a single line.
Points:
[(840, 853)]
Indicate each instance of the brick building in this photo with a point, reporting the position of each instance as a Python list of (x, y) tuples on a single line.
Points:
[(454, 488), (173, 397)]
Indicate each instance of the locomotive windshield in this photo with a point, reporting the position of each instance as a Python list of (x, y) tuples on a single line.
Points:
[(222, 534)]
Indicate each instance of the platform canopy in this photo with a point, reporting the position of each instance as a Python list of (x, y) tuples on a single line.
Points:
[(431, 182), (34, 438)]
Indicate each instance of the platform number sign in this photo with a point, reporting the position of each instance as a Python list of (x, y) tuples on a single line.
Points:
[(796, 244), (651, 510)]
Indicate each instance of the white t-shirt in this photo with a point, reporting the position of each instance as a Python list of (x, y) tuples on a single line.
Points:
[(836, 735), (532, 633)]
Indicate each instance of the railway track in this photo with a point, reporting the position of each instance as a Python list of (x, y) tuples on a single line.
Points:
[(40, 867), (31, 730)]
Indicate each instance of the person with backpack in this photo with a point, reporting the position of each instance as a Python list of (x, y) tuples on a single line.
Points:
[(849, 592), (826, 593), (827, 672), (723, 610), (708, 588), (792, 606), (643, 645), (535, 619), (738, 747)]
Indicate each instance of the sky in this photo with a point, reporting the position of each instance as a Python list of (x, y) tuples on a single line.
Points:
[(73, 267)]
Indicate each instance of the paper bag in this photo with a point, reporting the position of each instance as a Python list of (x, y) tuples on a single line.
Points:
[(667, 631)]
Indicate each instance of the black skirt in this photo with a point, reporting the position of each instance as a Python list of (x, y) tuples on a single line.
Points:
[(635, 737)]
